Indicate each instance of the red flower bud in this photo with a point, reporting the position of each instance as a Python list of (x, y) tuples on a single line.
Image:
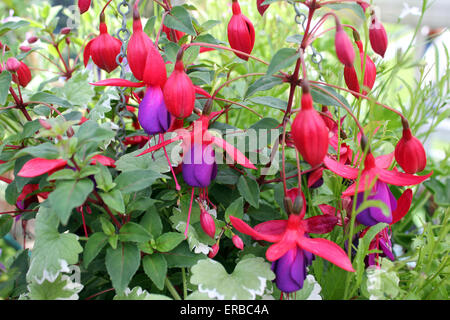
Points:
[(103, 50), (84, 5), (410, 154), (237, 241), (261, 8), (22, 75), (351, 78), (364, 5), (25, 48), (38, 166), (170, 33), (207, 223), (12, 64), (140, 46), (45, 124), (214, 250), (378, 37), (65, 30), (241, 33), (344, 47), (179, 92), (310, 132), (32, 39)]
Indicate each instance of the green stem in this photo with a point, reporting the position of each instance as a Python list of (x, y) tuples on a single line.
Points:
[(172, 290), (183, 275)]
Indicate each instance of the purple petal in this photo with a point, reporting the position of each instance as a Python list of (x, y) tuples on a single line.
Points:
[(153, 115), (374, 215), (199, 166)]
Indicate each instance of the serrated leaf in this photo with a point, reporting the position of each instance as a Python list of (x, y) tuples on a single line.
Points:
[(94, 245), (249, 189), (77, 89), (69, 195), (138, 294), (134, 232), (155, 267), (61, 288), (51, 249), (281, 59), (121, 264), (248, 280)]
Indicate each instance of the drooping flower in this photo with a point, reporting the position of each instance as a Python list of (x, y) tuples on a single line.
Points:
[(237, 241), (179, 92), (103, 49), (378, 36), (84, 5), (153, 115), (199, 166), (241, 33), (20, 72), (261, 8), (343, 46), (373, 168), (310, 132), (293, 248), (370, 73), (29, 196), (409, 153), (207, 222)]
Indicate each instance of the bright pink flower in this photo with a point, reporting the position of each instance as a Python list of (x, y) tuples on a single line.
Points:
[(38, 166), (84, 5), (378, 36), (410, 154), (207, 223), (104, 160), (214, 250), (373, 168), (12, 64), (293, 233), (344, 47), (241, 33), (103, 49), (179, 92), (370, 73), (310, 132), (237, 241)]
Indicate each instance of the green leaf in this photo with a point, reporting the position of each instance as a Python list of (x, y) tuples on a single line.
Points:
[(90, 131), (248, 280), (64, 174), (77, 89), (89, 171), (107, 227), (61, 288), (179, 19), (45, 150), (50, 99), (249, 189), (94, 245), (168, 241), (103, 105), (181, 257), (374, 203), (282, 58), (356, 8), (121, 264), (324, 95), (296, 38), (138, 294), (6, 223), (209, 25), (69, 195), (134, 232), (132, 181), (51, 249), (104, 179), (262, 84), (151, 221), (5, 81), (235, 209), (114, 200), (12, 25), (155, 267), (150, 25), (440, 191), (271, 102)]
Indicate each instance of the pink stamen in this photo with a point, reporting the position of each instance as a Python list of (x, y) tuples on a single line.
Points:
[(189, 214), (177, 186)]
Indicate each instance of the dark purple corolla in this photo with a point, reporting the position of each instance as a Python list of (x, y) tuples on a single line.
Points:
[(290, 269), (373, 215), (153, 115), (199, 165)]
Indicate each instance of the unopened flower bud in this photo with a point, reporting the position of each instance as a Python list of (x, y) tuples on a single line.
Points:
[(237, 241), (207, 223), (378, 36), (344, 47), (32, 39), (65, 30), (12, 65), (213, 251), (25, 48), (410, 154), (45, 124)]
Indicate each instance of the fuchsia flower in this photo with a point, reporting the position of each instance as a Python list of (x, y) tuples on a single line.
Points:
[(28, 196), (373, 168), (378, 36), (261, 8), (370, 73), (241, 33), (103, 49), (344, 47), (207, 223), (382, 240), (179, 92), (310, 132), (20, 72), (293, 248), (409, 153), (153, 114), (84, 5)]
